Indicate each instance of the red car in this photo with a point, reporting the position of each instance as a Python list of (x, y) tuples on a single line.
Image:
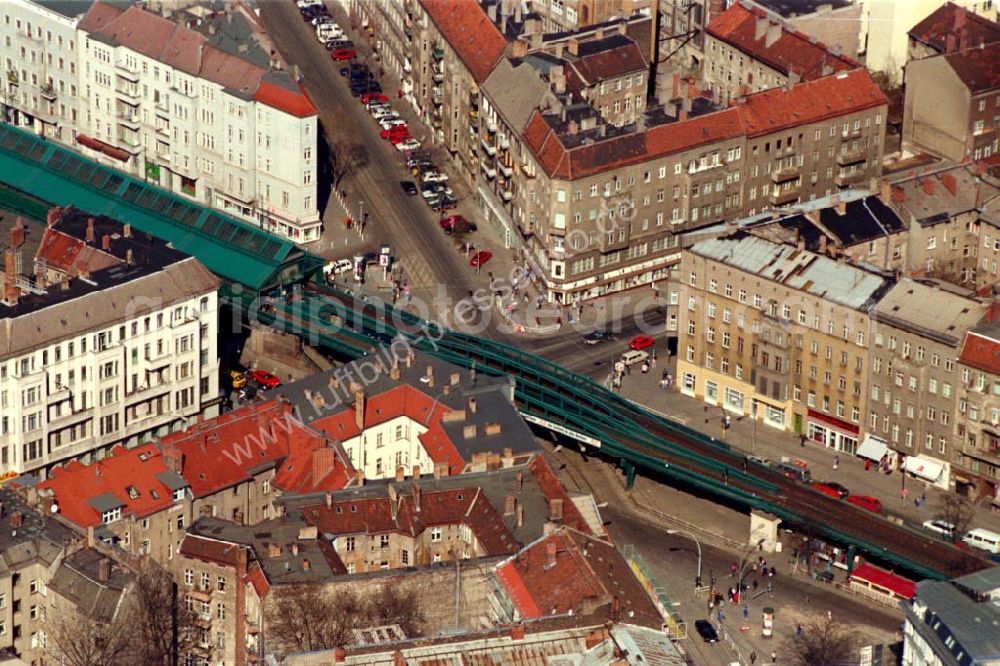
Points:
[(457, 223), (480, 258), (344, 54), (265, 379), (373, 97), (641, 342), (834, 490), (866, 502), (400, 132)]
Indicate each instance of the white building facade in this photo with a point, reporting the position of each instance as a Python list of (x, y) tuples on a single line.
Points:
[(124, 379)]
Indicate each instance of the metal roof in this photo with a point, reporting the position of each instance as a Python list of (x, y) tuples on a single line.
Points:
[(816, 274), (230, 248), (974, 627), (925, 310)]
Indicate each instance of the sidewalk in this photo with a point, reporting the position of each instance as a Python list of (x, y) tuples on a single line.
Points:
[(767, 442)]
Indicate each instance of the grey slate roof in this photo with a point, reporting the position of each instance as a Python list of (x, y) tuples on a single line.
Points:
[(841, 283), (515, 91), (77, 580), (105, 502), (973, 627), (39, 538), (925, 310), (172, 480)]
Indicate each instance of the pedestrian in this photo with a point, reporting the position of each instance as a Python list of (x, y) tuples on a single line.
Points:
[(829, 615), (798, 629), (802, 441), (652, 361), (770, 587), (868, 464), (732, 569), (772, 572), (916, 502), (754, 584), (663, 384), (670, 380), (666, 372), (645, 367), (628, 369), (753, 658), (746, 612), (774, 657), (836, 462)]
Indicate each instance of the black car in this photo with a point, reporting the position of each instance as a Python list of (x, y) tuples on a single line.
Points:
[(706, 631), (600, 335), (344, 71), (409, 187)]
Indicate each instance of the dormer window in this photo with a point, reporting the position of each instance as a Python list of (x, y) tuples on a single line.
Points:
[(132, 492), (179, 494), (112, 515)]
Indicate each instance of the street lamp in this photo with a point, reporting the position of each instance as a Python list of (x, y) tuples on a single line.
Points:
[(743, 563), (697, 577)]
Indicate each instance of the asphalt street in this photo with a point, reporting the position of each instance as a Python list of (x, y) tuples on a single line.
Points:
[(404, 221)]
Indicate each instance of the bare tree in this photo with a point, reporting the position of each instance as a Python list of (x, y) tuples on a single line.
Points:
[(302, 618), (958, 511), (345, 158), (824, 643), (149, 626), (394, 604)]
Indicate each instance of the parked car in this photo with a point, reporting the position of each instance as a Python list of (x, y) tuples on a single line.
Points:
[(344, 54), (419, 162), (302, 4), (335, 44), (633, 356), (793, 471), (706, 631), (370, 98), (866, 502), (398, 137), (595, 336), (834, 490), (409, 144), (337, 267), (433, 177), (391, 121), (943, 529), (409, 187), (480, 258), (441, 201), (379, 112), (400, 132), (265, 379), (344, 71), (237, 378), (641, 342), (328, 31), (453, 221)]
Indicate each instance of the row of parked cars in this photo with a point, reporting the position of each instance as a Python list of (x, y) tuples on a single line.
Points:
[(431, 184), (328, 32), (393, 128)]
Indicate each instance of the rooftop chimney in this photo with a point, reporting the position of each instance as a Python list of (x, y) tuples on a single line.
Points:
[(129, 258), (273, 550), (11, 292), (430, 376), (104, 570), (472, 405), (440, 470), (400, 474), (394, 370), (555, 510), (17, 234), (359, 475), (90, 238), (519, 48), (773, 34), (106, 242), (52, 216), (520, 515), (295, 549), (323, 462), (127, 231), (416, 472), (841, 207), (559, 50), (759, 27), (520, 481), (509, 505), (551, 548), (359, 408), (415, 486)]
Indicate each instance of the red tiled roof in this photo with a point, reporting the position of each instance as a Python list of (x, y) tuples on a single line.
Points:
[(890, 581), (981, 353), (812, 102), (608, 64), (225, 451), (977, 68), (188, 50), (210, 550), (75, 483), (257, 578), (553, 489), (72, 255), (517, 590), (400, 401), (296, 104), (948, 20), (469, 31), (462, 506), (792, 51), (567, 571)]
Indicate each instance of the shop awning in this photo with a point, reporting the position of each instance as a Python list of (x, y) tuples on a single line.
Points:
[(872, 448), (106, 148), (925, 468)]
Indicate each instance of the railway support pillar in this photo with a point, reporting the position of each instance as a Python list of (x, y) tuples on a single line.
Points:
[(850, 559), (629, 474)]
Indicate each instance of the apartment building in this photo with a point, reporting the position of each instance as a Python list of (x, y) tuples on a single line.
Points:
[(597, 210), (778, 333), (31, 547), (142, 500), (40, 51), (977, 458), (748, 50), (954, 229), (913, 380), (833, 23), (952, 103), (110, 337), (949, 28), (856, 224), (567, 15), (203, 111)]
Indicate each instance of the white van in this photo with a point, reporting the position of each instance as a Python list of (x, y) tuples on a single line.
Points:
[(633, 356), (328, 31), (983, 539)]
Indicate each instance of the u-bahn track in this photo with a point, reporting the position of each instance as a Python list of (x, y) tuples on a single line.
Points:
[(633, 436)]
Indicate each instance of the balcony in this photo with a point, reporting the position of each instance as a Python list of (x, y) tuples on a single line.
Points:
[(201, 593), (506, 170), (438, 77), (473, 115), (437, 98), (61, 394), (853, 157), (129, 119), (490, 150), (70, 418), (48, 92), (504, 142), (784, 175), (507, 195), (13, 78), (125, 73), (491, 127), (128, 94), (785, 196), (437, 52), (129, 143), (845, 180), (490, 172)]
